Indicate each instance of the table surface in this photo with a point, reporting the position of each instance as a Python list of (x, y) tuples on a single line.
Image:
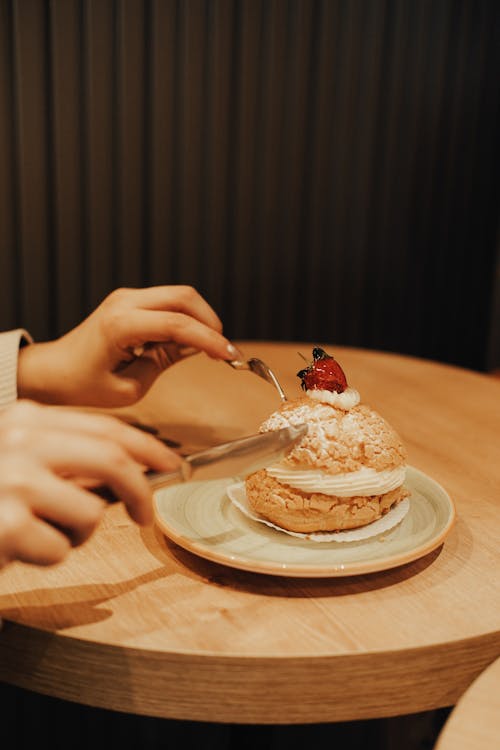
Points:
[(132, 622), (474, 723)]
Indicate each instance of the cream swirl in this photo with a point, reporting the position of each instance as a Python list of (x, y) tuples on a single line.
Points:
[(363, 482), (345, 400)]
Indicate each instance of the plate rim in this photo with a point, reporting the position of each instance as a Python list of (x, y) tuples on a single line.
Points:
[(320, 571)]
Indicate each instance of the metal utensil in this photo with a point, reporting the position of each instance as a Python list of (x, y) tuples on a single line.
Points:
[(258, 367), (236, 458)]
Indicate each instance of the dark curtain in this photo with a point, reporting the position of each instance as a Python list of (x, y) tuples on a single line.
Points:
[(321, 170)]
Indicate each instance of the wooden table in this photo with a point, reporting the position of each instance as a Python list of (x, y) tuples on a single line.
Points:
[(474, 723), (131, 622)]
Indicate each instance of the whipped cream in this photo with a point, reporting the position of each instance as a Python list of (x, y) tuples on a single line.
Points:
[(346, 400), (364, 482)]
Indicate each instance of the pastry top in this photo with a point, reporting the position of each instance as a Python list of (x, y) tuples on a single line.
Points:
[(347, 471), (338, 441)]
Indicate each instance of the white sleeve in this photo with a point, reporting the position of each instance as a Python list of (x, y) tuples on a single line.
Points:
[(10, 341)]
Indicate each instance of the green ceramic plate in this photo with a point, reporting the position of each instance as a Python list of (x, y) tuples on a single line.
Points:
[(199, 517)]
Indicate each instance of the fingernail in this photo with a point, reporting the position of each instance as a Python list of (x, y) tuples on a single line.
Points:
[(233, 352)]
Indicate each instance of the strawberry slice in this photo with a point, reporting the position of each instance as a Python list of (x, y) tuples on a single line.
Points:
[(323, 374)]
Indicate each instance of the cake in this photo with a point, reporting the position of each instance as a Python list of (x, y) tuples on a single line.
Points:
[(346, 472)]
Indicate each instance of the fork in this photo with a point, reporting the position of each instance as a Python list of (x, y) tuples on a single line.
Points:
[(258, 367)]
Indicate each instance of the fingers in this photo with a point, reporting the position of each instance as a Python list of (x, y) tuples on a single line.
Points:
[(105, 461), (27, 538), (69, 508), (40, 429), (133, 317), (180, 298), (89, 365), (61, 503), (131, 383), (167, 326), (80, 368), (43, 515), (45, 453)]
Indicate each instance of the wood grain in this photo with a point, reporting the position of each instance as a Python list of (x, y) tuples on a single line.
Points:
[(474, 724), (132, 622)]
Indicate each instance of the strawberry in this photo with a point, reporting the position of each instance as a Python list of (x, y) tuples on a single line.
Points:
[(323, 374)]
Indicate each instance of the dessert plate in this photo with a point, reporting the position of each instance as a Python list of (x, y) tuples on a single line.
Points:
[(200, 517)]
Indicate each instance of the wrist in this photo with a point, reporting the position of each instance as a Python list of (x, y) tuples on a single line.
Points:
[(39, 373)]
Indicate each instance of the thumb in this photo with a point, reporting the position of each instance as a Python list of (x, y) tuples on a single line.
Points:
[(138, 376)]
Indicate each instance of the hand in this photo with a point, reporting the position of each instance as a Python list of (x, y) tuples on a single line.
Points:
[(114, 356), (48, 456)]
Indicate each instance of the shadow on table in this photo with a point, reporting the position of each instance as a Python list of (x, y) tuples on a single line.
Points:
[(69, 606), (27, 717)]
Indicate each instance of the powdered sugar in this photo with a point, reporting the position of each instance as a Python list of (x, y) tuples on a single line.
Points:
[(339, 441)]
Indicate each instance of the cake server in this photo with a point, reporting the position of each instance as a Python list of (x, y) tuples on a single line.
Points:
[(235, 458)]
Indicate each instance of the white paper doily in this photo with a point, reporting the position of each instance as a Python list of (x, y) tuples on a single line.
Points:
[(238, 496)]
